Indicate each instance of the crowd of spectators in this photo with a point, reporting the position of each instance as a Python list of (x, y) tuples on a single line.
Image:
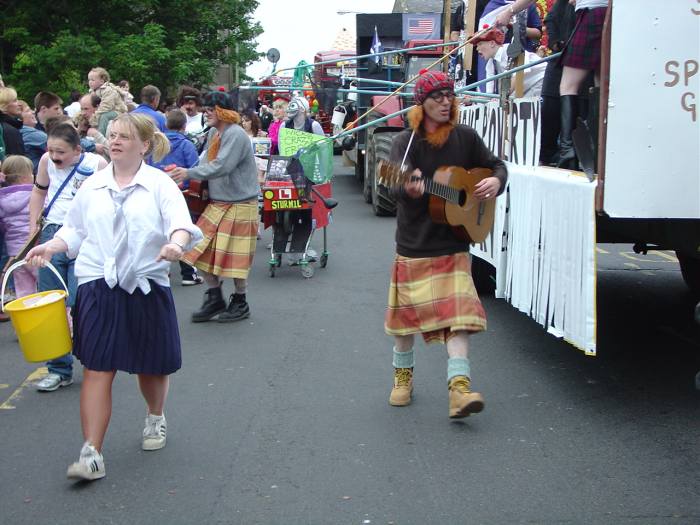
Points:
[(25, 131)]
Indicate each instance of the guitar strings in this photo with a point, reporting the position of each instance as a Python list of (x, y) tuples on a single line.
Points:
[(441, 190), (408, 148)]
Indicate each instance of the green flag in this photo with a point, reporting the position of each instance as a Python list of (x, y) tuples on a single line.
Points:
[(315, 153)]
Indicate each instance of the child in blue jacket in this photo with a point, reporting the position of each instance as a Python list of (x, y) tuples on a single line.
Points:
[(182, 152)]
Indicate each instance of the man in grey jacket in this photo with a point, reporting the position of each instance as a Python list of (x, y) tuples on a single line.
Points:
[(230, 220)]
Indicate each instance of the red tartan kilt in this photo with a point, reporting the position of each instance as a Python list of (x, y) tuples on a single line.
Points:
[(433, 296), (583, 48)]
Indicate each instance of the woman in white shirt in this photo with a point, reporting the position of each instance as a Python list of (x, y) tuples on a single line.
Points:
[(125, 226)]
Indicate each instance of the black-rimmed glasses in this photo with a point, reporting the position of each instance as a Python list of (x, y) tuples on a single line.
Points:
[(439, 96)]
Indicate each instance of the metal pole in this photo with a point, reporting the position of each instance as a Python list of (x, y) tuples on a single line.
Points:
[(469, 27), (339, 90), (359, 91), (458, 91), (237, 72), (355, 58), (375, 81), (446, 16), (508, 73)]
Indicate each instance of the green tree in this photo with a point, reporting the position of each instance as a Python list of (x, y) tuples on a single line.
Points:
[(52, 45)]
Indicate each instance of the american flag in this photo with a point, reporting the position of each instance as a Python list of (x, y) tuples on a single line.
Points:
[(420, 26)]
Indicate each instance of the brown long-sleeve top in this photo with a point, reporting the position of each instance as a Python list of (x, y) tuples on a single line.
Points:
[(416, 234)]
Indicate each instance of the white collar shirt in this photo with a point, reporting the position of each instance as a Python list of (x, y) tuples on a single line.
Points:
[(153, 211), (532, 83), (195, 124), (495, 65)]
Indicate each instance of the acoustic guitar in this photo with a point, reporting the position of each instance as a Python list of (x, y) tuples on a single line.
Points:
[(452, 198)]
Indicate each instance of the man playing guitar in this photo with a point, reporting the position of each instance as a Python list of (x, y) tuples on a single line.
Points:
[(432, 292)]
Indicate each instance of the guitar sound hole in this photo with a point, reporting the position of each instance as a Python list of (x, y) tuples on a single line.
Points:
[(462, 197)]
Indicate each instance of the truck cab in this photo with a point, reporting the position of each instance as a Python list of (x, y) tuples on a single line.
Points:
[(328, 76)]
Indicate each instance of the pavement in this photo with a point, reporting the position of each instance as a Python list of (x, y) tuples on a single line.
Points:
[(283, 418)]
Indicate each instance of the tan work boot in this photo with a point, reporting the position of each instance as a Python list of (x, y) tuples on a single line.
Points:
[(403, 387), (462, 400)]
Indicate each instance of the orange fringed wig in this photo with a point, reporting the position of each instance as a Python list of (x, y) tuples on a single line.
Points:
[(438, 137)]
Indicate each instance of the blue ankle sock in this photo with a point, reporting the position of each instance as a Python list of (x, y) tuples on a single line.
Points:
[(404, 359), (457, 366)]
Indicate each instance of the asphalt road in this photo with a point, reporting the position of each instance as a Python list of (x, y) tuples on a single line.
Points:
[(283, 418)]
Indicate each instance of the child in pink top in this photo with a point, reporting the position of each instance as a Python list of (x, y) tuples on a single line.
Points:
[(279, 108), (14, 217)]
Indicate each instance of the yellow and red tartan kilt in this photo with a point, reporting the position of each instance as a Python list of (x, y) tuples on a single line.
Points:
[(230, 234), (433, 296)]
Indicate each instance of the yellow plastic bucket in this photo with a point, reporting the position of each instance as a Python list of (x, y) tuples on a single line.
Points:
[(40, 320)]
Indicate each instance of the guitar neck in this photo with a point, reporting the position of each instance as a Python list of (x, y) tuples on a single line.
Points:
[(391, 176), (442, 190)]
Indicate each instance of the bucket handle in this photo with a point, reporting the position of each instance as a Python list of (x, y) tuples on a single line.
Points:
[(22, 263)]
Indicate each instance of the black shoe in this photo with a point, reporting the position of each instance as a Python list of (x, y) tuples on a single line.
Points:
[(213, 305), (237, 309)]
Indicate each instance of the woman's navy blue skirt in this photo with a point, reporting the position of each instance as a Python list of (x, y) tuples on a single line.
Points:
[(134, 333)]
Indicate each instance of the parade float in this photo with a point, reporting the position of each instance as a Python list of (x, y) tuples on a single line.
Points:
[(639, 178)]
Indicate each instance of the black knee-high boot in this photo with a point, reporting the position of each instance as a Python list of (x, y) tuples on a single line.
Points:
[(551, 122), (569, 113)]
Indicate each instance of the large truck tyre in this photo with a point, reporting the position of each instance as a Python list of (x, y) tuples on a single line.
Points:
[(369, 163), (690, 270), (383, 203), (360, 166)]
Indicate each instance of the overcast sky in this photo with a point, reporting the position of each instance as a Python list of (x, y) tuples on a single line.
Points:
[(300, 29)]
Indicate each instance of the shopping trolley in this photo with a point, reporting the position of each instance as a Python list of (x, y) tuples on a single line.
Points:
[(294, 207)]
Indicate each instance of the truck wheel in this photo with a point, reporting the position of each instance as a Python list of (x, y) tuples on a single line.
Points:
[(360, 166), (690, 270), (369, 163), (383, 203)]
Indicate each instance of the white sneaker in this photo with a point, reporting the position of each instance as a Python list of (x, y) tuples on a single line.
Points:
[(52, 382), (154, 433), (196, 279), (90, 465)]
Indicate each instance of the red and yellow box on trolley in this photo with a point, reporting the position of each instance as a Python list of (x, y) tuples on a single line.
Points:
[(280, 196)]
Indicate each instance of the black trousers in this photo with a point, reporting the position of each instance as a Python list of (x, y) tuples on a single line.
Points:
[(187, 272)]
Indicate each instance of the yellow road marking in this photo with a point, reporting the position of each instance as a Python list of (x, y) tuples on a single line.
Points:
[(632, 265), (600, 250), (649, 258), (4, 385), (665, 255), (39, 372), (631, 255)]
